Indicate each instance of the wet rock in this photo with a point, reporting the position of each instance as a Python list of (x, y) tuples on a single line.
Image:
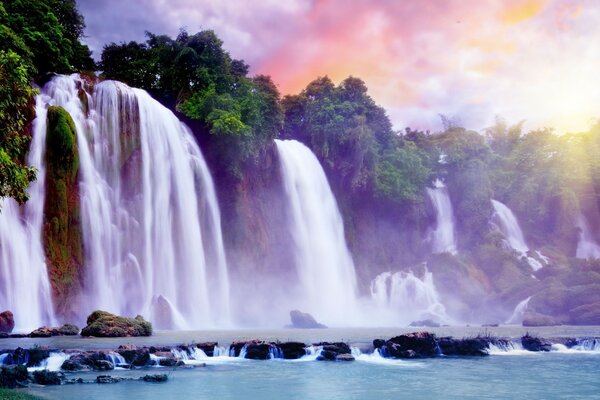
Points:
[(344, 357), (135, 356), (464, 347), (424, 344), (45, 377), (533, 343), (85, 361), (155, 378), (378, 343), (426, 323), (304, 321), (170, 362), (104, 324), (36, 355), (49, 331), (255, 349), (207, 347), (13, 376), (292, 350), (331, 350), (7, 322), (108, 379)]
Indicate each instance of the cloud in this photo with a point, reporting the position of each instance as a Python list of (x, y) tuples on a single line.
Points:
[(523, 59)]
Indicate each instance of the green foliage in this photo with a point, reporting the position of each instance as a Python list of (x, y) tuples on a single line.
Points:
[(12, 394), (105, 324)]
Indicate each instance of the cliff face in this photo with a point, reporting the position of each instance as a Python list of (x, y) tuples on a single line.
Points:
[(62, 234)]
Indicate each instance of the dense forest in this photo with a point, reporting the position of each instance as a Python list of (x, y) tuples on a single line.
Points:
[(379, 175)]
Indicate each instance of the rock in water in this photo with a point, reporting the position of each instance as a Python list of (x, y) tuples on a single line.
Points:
[(49, 331), (7, 322), (155, 378), (105, 324), (304, 321), (533, 343)]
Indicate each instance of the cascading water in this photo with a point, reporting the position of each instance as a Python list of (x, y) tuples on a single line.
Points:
[(24, 283), (150, 218), (519, 312), (587, 247), (402, 297), (327, 279), (442, 237), (509, 226)]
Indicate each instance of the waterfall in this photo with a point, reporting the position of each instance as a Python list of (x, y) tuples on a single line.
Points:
[(442, 236), (150, 218), (325, 269), (24, 284), (587, 247), (509, 226), (402, 297), (519, 311)]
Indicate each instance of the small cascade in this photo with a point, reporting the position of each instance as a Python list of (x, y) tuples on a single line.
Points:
[(442, 237), (507, 347), (519, 312), (509, 226), (275, 353), (590, 345), (327, 279), (220, 352), (243, 351), (116, 359), (149, 214), (402, 297), (52, 363), (587, 247), (24, 283)]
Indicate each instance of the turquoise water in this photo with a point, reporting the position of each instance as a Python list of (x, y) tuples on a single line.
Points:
[(514, 375), (536, 376)]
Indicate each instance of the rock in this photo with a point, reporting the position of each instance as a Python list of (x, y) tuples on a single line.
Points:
[(588, 314), (73, 365), (104, 324), (85, 361), (426, 322), (292, 350), (13, 376), (108, 379), (138, 357), (423, 344), (255, 349), (464, 347), (207, 347), (103, 365), (45, 377), (330, 350), (3, 335), (304, 321), (7, 322), (531, 318), (155, 378), (170, 362), (532, 343), (378, 343), (344, 357), (48, 331), (36, 355)]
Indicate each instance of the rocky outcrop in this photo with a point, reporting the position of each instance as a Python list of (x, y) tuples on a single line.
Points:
[(304, 321), (45, 377), (331, 350), (533, 343), (7, 322), (13, 376), (105, 324), (207, 347), (89, 360), (410, 345), (136, 356), (62, 233), (292, 350), (464, 347), (49, 331)]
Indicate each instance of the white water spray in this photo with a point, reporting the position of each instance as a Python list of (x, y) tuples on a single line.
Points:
[(442, 237), (327, 280), (587, 247)]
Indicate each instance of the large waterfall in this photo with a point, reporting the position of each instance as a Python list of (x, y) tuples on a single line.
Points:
[(507, 222), (587, 247), (150, 219), (24, 284), (442, 237), (327, 280)]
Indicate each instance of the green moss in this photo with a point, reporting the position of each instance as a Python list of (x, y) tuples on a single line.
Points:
[(104, 324), (62, 215), (16, 394)]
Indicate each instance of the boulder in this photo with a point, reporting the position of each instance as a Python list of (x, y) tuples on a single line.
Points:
[(7, 322), (292, 350), (426, 322), (135, 356), (304, 321), (104, 324), (255, 349), (36, 355), (45, 377), (48, 331), (85, 361), (13, 376), (423, 344), (155, 378), (207, 347), (108, 379), (533, 343), (464, 347), (331, 350)]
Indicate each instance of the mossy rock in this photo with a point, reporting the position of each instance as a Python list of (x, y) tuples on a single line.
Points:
[(105, 324)]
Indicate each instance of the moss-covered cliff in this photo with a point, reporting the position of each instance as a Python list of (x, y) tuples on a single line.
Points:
[(62, 216)]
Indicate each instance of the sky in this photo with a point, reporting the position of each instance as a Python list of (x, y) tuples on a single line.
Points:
[(471, 60)]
